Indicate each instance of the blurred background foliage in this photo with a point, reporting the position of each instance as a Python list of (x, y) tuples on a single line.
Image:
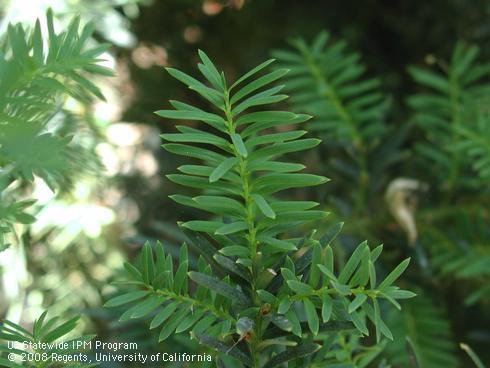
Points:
[(100, 217)]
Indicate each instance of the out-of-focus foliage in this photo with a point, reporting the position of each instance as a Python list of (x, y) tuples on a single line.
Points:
[(50, 342), (463, 254), (427, 329), (329, 83), (35, 78), (475, 143), (111, 17), (447, 111), (451, 114)]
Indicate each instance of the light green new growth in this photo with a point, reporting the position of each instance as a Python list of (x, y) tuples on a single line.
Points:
[(258, 274)]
